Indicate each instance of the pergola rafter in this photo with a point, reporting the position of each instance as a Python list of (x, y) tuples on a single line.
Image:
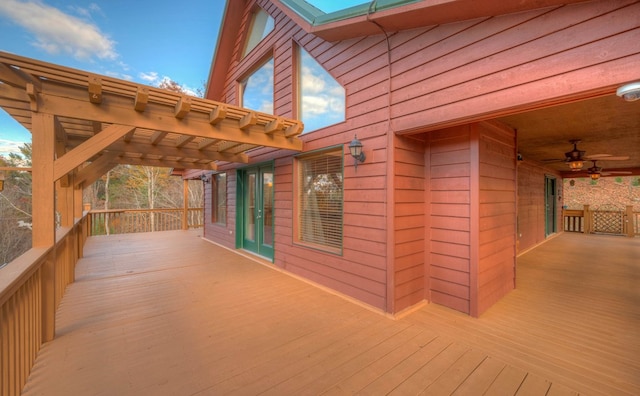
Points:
[(161, 127)]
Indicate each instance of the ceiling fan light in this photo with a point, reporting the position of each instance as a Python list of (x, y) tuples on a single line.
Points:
[(594, 176), (629, 92), (576, 165)]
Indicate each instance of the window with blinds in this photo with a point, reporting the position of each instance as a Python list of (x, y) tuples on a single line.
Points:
[(319, 192), (219, 199)]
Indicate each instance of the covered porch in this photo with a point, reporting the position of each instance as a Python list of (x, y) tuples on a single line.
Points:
[(169, 313)]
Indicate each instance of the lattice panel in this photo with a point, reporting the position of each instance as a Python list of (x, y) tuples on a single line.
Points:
[(608, 222)]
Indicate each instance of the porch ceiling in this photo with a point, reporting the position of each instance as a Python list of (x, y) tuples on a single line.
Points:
[(605, 125), (146, 125)]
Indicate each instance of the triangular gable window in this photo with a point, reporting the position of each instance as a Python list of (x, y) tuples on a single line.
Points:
[(321, 98), (261, 25)]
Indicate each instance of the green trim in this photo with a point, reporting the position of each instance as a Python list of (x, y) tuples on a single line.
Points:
[(317, 17)]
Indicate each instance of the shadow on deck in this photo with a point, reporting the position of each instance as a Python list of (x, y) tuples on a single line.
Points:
[(170, 314)]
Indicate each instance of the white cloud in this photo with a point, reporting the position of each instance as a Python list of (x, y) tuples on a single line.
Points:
[(312, 83), (10, 146), (57, 32), (314, 105), (151, 77)]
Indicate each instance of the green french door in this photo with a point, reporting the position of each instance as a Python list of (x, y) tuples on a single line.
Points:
[(255, 210), (550, 205)]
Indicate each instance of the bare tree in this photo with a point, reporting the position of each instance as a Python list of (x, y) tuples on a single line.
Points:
[(15, 207)]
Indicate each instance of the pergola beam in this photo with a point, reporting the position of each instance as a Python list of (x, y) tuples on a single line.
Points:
[(227, 129), (165, 163), (95, 169), (166, 150), (88, 149)]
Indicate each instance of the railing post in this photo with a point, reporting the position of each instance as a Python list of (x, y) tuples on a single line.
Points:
[(628, 222), (587, 219)]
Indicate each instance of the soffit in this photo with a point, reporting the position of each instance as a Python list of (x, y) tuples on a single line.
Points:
[(167, 128)]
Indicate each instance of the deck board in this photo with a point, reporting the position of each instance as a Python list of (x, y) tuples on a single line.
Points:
[(171, 314)]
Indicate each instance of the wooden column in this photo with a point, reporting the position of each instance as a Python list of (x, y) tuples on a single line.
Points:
[(43, 212), (587, 220), (77, 214), (185, 200), (65, 203), (631, 232)]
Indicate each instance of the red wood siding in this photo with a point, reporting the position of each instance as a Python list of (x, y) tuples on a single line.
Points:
[(531, 204), (409, 223), (472, 212), (497, 215), (430, 218), (448, 204), (219, 233), (361, 270), (474, 70)]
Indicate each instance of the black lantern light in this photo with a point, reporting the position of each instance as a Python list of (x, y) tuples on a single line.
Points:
[(355, 148)]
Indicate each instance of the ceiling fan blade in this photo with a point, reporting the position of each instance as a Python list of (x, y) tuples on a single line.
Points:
[(549, 160), (606, 157), (596, 156)]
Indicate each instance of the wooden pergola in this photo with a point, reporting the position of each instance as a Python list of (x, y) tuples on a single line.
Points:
[(83, 124)]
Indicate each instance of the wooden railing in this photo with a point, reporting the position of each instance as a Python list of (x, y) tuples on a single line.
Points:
[(106, 222), (623, 221), (573, 220), (31, 287)]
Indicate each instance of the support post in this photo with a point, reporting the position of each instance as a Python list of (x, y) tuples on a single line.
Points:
[(77, 214), (43, 212), (587, 220), (629, 222), (185, 200)]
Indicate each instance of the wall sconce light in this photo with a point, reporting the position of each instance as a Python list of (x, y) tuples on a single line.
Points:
[(205, 178), (355, 148), (1, 181)]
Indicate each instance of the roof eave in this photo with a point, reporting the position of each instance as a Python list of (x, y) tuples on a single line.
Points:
[(414, 15)]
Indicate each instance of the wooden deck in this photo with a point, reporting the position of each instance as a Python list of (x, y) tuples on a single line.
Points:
[(170, 314)]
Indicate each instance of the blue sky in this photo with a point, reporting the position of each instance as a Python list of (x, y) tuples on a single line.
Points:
[(139, 40)]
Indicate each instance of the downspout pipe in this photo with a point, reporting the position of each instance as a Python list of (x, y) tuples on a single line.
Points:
[(389, 185)]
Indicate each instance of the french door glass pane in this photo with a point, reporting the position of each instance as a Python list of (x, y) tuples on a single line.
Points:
[(267, 205)]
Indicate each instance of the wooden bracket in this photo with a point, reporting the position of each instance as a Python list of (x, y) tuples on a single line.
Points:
[(142, 97), (294, 129), (274, 126), (218, 114), (182, 107), (248, 120), (33, 96), (95, 90)]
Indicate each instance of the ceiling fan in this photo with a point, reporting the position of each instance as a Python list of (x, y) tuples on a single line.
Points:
[(575, 158), (595, 171)]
